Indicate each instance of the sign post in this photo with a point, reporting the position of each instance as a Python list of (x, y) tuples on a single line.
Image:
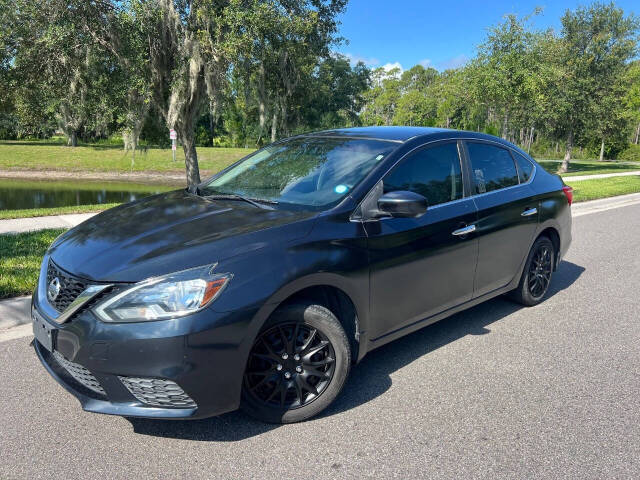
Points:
[(173, 136)]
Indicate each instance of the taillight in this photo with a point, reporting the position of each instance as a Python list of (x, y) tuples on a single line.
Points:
[(568, 192)]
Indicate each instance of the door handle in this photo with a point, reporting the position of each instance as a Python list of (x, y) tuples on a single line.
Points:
[(529, 211), (464, 230)]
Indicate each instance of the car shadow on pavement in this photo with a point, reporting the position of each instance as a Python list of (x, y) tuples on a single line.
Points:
[(369, 379)]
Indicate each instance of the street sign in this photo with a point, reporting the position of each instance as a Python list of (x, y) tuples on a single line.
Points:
[(173, 146), (172, 134)]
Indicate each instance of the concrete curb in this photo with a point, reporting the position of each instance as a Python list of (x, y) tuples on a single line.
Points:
[(603, 204), (15, 311)]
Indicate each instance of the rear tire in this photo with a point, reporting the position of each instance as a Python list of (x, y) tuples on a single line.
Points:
[(537, 273), (297, 366)]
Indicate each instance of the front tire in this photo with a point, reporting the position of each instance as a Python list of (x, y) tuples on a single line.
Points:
[(537, 273), (297, 366)]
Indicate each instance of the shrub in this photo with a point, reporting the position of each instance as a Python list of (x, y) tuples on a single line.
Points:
[(631, 154)]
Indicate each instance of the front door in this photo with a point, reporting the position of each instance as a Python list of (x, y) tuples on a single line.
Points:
[(419, 267)]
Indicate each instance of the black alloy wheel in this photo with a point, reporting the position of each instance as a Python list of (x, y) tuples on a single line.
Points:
[(290, 365), (297, 365), (537, 273), (540, 271)]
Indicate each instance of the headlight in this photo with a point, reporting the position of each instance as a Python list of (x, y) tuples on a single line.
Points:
[(160, 298)]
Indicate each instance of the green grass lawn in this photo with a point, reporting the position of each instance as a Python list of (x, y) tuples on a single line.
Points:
[(44, 212), (588, 167), (604, 187), (32, 155), (103, 157), (20, 257)]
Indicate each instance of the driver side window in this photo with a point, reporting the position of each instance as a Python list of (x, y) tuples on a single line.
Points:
[(433, 172)]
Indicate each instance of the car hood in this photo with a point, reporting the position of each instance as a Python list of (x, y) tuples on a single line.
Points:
[(171, 232)]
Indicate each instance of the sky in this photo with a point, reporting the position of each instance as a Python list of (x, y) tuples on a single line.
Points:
[(442, 34)]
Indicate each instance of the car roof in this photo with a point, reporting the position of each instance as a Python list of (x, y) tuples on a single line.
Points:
[(401, 134)]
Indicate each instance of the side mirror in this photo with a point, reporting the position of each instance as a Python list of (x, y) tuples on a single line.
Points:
[(402, 204)]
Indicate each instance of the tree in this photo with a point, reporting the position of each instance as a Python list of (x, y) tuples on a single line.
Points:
[(192, 46), (58, 57), (597, 41), (8, 43), (383, 97), (506, 75), (416, 106), (632, 98)]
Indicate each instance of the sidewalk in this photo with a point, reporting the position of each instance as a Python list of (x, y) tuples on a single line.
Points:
[(578, 178), (19, 225), (15, 311)]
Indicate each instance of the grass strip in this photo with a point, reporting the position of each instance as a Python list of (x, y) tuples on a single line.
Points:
[(44, 212), (604, 187), (20, 257)]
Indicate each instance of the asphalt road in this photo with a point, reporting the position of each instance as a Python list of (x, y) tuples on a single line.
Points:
[(498, 391)]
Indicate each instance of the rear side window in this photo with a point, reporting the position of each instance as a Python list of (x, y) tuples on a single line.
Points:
[(492, 167), (432, 172), (525, 167)]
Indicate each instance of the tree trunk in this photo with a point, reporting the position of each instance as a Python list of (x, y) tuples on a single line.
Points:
[(637, 134), (74, 139), (262, 100), (125, 139), (274, 125), (505, 126), (190, 159), (602, 150), (530, 141), (285, 126), (564, 168)]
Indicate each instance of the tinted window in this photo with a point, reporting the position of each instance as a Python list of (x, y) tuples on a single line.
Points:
[(492, 167), (525, 167), (432, 172)]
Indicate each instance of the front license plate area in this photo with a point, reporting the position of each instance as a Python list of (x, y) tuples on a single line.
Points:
[(44, 333)]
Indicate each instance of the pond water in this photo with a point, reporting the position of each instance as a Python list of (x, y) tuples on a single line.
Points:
[(22, 194)]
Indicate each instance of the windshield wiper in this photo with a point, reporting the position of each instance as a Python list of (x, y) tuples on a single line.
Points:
[(256, 202)]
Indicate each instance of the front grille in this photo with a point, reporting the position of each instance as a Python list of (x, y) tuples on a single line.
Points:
[(158, 392), (79, 373), (70, 287)]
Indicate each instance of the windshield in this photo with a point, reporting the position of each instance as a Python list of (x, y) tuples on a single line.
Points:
[(307, 171)]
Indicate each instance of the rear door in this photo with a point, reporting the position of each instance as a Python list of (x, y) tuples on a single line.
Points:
[(507, 214), (418, 267)]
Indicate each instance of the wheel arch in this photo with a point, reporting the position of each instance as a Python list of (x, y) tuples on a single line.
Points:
[(552, 234), (332, 291)]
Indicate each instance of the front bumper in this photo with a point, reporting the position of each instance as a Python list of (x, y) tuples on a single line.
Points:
[(203, 355)]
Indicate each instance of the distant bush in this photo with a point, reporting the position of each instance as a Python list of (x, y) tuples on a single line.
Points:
[(631, 154), (8, 126), (223, 141), (202, 137)]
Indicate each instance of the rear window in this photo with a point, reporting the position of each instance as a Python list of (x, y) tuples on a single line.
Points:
[(525, 167), (492, 167)]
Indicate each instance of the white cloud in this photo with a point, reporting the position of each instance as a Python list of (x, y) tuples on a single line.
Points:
[(426, 63), (453, 62), (387, 67)]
